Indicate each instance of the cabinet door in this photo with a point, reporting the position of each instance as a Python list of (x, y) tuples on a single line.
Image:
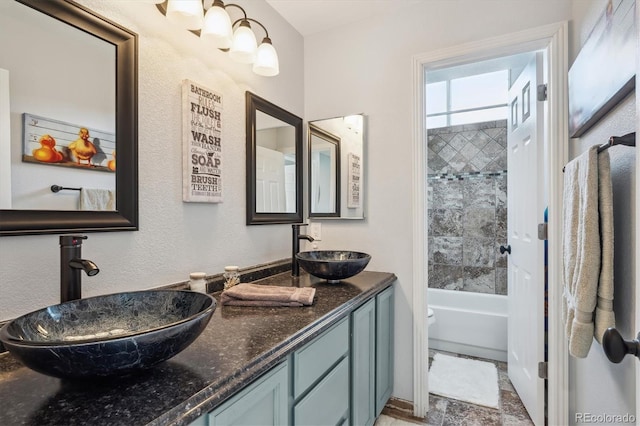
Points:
[(384, 348), (363, 325), (264, 402)]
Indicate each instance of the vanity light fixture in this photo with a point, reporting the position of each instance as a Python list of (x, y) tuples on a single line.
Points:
[(186, 13), (214, 25)]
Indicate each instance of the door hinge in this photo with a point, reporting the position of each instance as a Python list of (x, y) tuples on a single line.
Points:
[(542, 92), (543, 370), (542, 231)]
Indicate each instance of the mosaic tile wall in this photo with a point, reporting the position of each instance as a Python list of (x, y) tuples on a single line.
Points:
[(467, 207)]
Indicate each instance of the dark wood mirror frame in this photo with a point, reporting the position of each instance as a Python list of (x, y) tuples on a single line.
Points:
[(332, 139), (125, 217), (255, 103)]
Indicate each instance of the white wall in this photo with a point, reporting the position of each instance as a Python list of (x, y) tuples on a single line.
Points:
[(175, 238), (597, 386), (367, 67)]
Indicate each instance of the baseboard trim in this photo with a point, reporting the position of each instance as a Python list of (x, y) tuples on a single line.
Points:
[(401, 409)]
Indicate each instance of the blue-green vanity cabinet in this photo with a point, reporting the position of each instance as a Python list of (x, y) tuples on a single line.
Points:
[(344, 376), (384, 348), (327, 403), (371, 358), (363, 359), (319, 356), (203, 420), (321, 379), (264, 402)]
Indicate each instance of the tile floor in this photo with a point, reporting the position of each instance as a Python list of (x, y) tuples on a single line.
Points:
[(450, 412)]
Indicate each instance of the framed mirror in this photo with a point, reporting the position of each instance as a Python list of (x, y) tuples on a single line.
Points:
[(274, 163), (324, 173), (348, 133), (72, 125)]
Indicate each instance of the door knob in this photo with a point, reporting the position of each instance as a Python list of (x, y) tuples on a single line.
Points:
[(505, 248), (615, 347)]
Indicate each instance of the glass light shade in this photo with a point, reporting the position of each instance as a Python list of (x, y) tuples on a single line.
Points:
[(266, 62), (186, 13), (217, 27), (243, 48)]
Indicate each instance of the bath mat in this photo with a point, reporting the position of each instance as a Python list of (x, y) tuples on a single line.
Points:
[(464, 379)]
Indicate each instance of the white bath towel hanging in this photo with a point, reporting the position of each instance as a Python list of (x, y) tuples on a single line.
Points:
[(587, 250), (97, 199), (604, 316)]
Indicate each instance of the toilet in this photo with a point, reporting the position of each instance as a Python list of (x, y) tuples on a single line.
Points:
[(431, 316)]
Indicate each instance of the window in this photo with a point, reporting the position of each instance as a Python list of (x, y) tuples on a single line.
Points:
[(471, 99)]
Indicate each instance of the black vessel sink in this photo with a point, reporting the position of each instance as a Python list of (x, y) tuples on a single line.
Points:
[(108, 335), (333, 265)]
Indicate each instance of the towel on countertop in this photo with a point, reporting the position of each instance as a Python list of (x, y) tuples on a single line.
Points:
[(97, 199), (265, 295), (587, 243)]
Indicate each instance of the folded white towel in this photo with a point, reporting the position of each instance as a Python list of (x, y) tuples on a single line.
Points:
[(97, 199), (588, 250)]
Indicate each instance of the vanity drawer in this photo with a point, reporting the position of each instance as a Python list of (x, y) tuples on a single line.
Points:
[(316, 359), (328, 402)]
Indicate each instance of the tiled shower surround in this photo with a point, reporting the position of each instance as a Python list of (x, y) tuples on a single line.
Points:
[(467, 207)]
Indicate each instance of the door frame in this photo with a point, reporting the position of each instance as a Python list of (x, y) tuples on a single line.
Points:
[(553, 39), (637, 301)]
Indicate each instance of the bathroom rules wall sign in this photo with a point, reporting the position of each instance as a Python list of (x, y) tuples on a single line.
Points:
[(201, 144)]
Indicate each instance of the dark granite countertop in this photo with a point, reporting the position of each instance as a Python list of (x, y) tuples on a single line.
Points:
[(238, 345)]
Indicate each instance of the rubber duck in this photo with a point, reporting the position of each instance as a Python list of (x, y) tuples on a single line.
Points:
[(47, 152), (111, 164), (81, 148)]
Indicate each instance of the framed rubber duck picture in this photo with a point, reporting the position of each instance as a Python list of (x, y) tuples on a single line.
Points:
[(57, 143)]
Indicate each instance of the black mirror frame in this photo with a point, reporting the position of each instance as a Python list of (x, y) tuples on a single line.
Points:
[(328, 137), (125, 217), (256, 103)]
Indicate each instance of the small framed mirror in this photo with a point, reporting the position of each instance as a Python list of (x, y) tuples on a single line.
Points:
[(274, 163), (324, 173), (348, 135)]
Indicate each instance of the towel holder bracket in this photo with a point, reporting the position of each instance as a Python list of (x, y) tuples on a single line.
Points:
[(616, 348)]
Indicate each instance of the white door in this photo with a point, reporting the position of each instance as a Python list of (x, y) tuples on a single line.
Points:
[(525, 203), (270, 188)]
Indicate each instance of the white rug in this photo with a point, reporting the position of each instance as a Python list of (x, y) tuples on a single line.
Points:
[(464, 379)]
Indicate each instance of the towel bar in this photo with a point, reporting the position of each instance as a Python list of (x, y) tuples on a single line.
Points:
[(616, 348), (629, 140), (58, 188)]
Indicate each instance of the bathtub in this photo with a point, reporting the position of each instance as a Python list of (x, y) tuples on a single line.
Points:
[(469, 323)]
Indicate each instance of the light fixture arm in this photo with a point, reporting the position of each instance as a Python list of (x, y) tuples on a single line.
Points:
[(234, 5), (252, 20)]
